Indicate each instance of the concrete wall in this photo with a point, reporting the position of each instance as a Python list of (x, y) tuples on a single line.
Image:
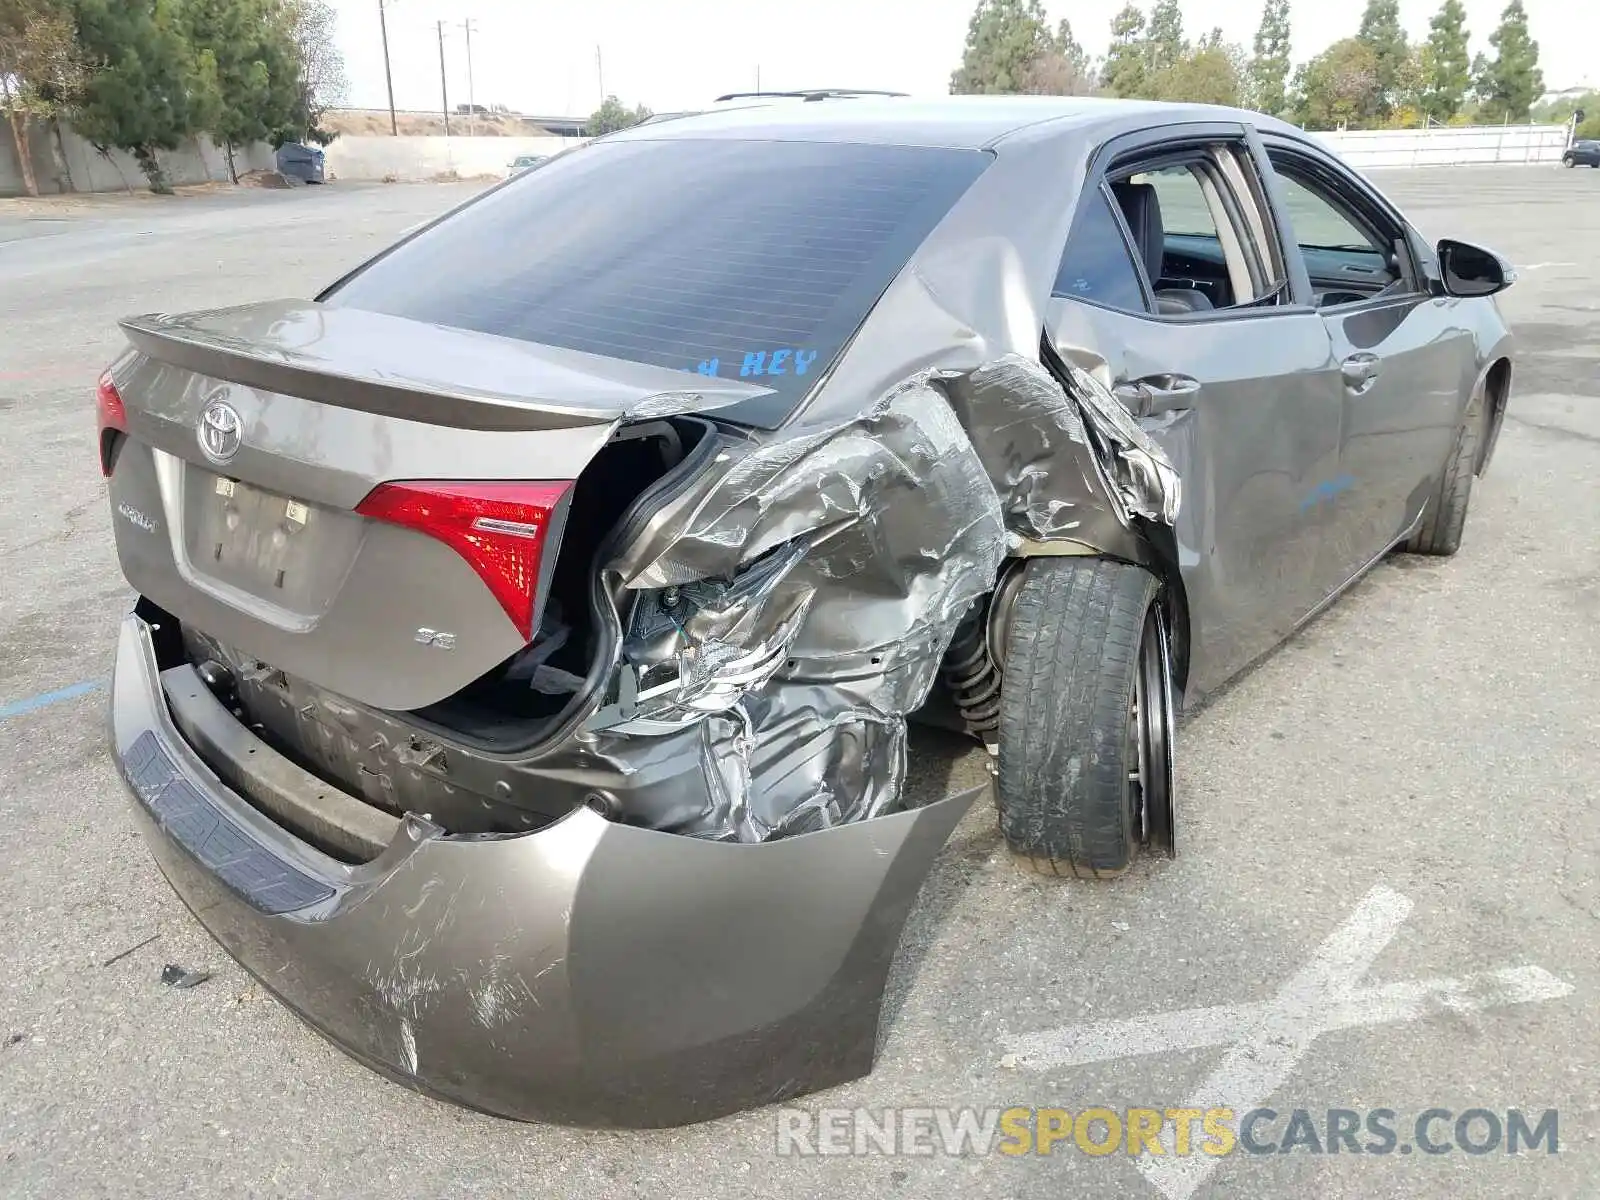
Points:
[(1480, 144), (76, 166), (411, 159)]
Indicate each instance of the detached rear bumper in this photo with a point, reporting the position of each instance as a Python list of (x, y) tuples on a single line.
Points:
[(588, 973)]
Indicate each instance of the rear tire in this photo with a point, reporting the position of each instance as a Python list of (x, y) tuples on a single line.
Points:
[(1086, 718), (1446, 514)]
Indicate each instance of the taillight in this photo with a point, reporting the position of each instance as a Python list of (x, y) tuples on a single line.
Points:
[(111, 418), (499, 528)]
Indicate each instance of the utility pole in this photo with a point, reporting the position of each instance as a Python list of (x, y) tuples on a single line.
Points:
[(472, 103), (388, 78), (758, 77), (600, 71), (444, 87)]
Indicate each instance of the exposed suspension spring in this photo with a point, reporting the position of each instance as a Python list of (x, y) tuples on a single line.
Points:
[(970, 674)]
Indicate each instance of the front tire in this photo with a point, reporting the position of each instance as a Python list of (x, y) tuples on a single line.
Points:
[(1446, 514), (1086, 718)]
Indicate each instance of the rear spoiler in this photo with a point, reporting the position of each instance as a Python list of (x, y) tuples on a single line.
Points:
[(394, 367)]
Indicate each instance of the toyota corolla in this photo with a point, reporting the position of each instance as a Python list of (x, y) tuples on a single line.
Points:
[(528, 624)]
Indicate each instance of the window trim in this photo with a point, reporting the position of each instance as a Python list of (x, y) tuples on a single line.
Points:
[(1151, 144), (1355, 200), (1259, 219)]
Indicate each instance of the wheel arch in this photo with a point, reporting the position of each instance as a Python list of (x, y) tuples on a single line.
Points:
[(1495, 384), (1149, 545)]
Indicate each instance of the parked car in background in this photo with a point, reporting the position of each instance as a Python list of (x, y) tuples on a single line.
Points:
[(527, 626), (524, 162), (1585, 153)]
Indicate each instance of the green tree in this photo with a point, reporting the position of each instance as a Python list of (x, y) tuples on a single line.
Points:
[(1005, 40), (1380, 31), (1445, 66), (1508, 84), (1164, 44), (40, 69), (1338, 87), (246, 75), (141, 78), (1268, 78), (1210, 74), (613, 115), (1559, 112), (1061, 69), (1407, 103), (1125, 71), (323, 83)]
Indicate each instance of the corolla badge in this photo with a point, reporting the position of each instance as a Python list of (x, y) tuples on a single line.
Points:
[(221, 430), (134, 516)]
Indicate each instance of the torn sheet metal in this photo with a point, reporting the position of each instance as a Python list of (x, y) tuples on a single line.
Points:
[(798, 602), (1146, 483), (1058, 460)]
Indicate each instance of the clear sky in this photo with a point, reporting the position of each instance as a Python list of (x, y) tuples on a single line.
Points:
[(540, 57)]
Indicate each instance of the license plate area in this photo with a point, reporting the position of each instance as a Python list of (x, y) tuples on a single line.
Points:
[(288, 551)]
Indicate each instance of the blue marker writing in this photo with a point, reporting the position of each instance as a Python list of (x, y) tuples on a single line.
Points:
[(775, 362)]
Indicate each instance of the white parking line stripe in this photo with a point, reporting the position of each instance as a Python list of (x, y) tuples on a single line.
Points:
[(1271, 1045), (1267, 1040), (1432, 997), (1198, 1028)]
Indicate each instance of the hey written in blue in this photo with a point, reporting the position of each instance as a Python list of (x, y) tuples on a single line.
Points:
[(760, 362)]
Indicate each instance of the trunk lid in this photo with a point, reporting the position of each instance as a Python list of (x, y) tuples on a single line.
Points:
[(368, 502)]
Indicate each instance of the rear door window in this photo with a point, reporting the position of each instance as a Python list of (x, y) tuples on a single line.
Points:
[(1098, 264), (742, 259)]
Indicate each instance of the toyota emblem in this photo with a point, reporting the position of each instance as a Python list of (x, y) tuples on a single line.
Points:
[(221, 431)]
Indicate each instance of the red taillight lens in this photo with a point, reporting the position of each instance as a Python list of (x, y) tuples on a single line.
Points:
[(111, 418), (499, 528)]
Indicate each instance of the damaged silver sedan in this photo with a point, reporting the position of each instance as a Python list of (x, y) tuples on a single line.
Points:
[(528, 626)]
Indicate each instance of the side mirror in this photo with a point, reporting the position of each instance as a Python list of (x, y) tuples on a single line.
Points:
[(1468, 270)]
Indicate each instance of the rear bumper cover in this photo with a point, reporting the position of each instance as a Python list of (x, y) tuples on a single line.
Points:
[(587, 973)]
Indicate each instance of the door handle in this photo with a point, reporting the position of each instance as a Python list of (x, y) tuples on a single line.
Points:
[(1359, 370), (1159, 393)]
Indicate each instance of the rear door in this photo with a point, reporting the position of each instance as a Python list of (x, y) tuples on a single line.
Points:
[(1235, 383), (1403, 365)]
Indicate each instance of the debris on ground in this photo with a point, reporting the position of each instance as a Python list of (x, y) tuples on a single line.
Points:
[(175, 976), (122, 954), (266, 179)]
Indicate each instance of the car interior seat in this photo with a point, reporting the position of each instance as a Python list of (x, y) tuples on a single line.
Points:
[(1141, 208)]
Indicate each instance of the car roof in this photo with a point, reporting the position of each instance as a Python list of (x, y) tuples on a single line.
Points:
[(953, 122)]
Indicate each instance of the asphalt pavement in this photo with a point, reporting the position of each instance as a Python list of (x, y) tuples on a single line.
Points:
[(1387, 895)]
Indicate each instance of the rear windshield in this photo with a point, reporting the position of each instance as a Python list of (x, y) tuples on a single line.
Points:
[(742, 259)]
